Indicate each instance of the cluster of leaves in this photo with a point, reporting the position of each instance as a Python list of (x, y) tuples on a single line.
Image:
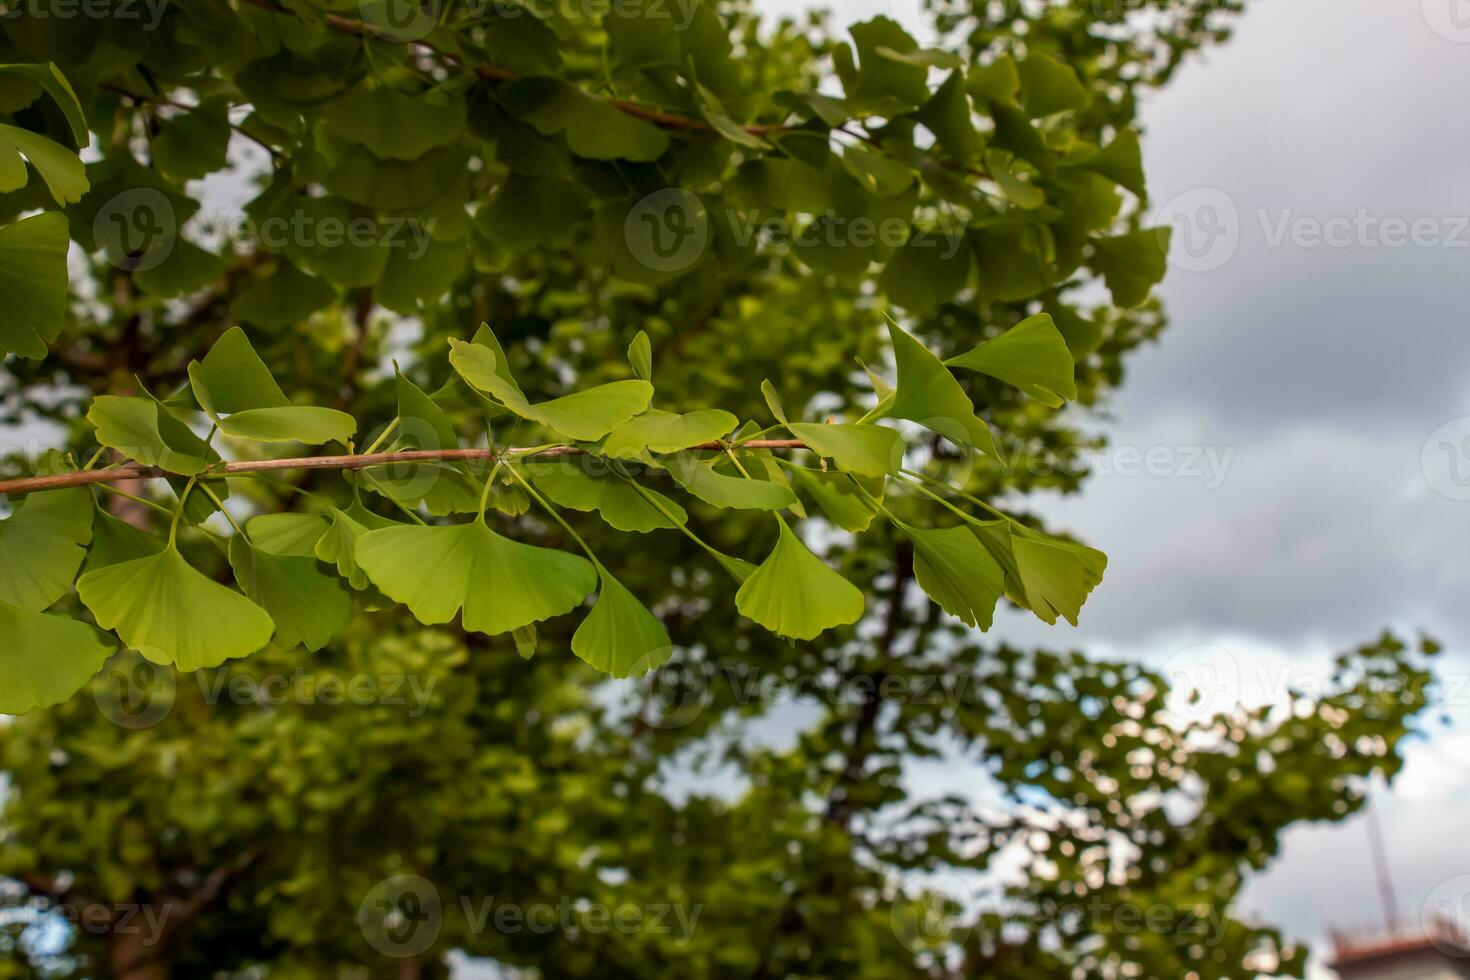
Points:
[(297, 571), (490, 143)]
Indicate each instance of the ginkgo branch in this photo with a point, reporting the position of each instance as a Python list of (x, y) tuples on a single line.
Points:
[(135, 471)]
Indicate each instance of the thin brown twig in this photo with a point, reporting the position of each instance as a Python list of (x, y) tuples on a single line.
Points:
[(138, 471)]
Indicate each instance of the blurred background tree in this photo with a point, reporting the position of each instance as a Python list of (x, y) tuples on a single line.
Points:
[(271, 834)]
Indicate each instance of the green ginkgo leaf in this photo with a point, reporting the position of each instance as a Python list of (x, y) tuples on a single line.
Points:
[(1046, 575), (46, 659), (594, 128), (1032, 355), (640, 356), (867, 450), (620, 636), (33, 281), (42, 545), (616, 499), (338, 544), (308, 607), (236, 390), (844, 499), (62, 170), (1056, 576), (795, 594), (956, 571), (441, 487), (668, 432), (288, 534), (773, 401), (1132, 264), (173, 614), (499, 584), (143, 429), (50, 78), (584, 416), (729, 492), (115, 541), (929, 395)]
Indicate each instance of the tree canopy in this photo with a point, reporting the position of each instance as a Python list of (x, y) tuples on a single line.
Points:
[(491, 350)]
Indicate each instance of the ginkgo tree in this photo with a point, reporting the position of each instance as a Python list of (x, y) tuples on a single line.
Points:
[(777, 314)]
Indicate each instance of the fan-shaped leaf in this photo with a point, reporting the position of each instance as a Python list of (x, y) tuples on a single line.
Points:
[(172, 614), (236, 389), (957, 572), (793, 593), (46, 659), (42, 545), (620, 636), (32, 283), (142, 429), (730, 492), (867, 450), (1032, 355), (308, 607), (841, 496), (61, 169), (338, 545), (613, 496), (586, 415), (499, 584), (668, 432), (929, 395)]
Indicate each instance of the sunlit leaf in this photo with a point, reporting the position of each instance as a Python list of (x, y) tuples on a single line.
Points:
[(1032, 355), (867, 450), (586, 415), (236, 389), (42, 545), (499, 584), (929, 395), (173, 614), (667, 432), (308, 607), (571, 483), (620, 636), (46, 659), (142, 429), (795, 594)]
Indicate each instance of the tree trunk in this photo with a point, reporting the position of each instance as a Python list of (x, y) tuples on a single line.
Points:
[(132, 956)]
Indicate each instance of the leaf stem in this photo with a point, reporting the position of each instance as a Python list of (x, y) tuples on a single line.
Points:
[(556, 516), (173, 530)]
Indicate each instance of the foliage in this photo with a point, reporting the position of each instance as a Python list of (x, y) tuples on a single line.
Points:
[(651, 215)]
